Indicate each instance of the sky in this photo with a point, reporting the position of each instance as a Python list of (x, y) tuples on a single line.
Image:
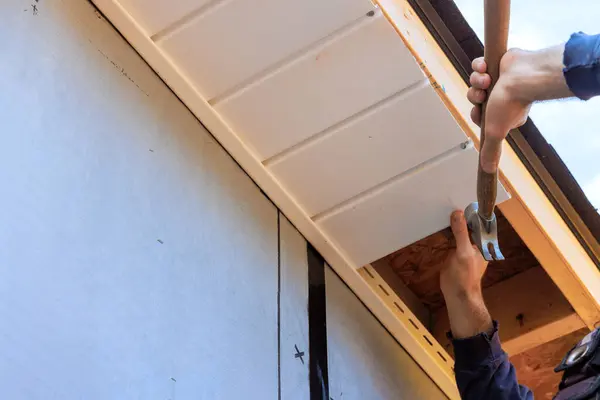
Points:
[(570, 126)]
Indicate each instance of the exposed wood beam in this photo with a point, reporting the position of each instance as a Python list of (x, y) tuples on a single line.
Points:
[(530, 308), (577, 282), (535, 367)]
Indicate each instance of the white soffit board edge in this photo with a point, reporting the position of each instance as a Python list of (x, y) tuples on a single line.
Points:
[(390, 217)]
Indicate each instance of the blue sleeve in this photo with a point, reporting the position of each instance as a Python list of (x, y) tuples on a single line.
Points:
[(582, 65), (483, 371)]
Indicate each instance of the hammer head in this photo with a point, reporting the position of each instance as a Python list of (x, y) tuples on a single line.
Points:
[(484, 233)]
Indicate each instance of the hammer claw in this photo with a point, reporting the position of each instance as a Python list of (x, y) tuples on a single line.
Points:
[(491, 251), (497, 254), (484, 233), (485, 252)]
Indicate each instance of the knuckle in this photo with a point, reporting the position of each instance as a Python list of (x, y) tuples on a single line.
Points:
[(473, 78), (522, 121), (463, 256), (472, 95), (480, 95), (478, 63)]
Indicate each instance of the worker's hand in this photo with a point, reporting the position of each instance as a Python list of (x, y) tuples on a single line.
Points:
[(507, 106), (460, 281), (461, 276)]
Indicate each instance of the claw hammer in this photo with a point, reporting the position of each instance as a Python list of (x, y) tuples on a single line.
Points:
[(480, 215)]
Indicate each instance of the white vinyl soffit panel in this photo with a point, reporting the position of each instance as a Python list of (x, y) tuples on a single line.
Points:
[(324, 107)]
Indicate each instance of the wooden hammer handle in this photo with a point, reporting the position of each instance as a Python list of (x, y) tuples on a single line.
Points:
[(496, 19)]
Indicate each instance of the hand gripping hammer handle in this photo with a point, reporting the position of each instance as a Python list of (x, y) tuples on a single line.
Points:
[(496, 20)]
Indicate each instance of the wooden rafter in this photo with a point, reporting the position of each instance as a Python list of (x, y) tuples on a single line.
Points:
[(535, 367), (530, 308)]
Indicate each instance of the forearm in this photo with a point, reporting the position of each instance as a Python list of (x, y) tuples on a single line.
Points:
[(468, 314), (567, 70), (482, 368), (538, 76)]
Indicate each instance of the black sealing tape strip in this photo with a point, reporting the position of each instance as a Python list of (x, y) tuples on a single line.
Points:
[(317, 326)]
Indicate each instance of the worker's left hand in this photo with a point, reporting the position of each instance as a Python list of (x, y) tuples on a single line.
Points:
[(461, 276)]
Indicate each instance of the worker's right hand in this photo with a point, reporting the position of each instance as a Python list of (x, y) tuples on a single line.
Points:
[(507, 108)]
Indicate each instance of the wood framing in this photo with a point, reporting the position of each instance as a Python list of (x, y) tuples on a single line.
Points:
[(529, 211), (564, 260), (535, 368), (530, 309)]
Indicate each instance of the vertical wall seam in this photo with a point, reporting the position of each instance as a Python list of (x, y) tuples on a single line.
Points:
[(317, 326), (278, 305)]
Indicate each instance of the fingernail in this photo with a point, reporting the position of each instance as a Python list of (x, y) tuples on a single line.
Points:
[(457, 216), (481, 81)]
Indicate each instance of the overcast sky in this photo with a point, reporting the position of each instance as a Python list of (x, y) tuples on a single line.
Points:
[(572, 126)]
